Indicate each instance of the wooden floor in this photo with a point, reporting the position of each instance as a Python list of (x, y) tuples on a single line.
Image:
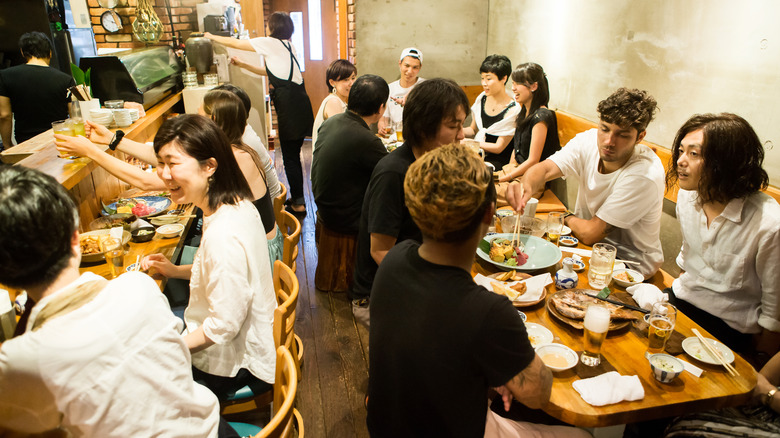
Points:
[(335, 365)]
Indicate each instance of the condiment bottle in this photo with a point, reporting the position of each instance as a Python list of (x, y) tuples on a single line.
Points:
[(566, 278)]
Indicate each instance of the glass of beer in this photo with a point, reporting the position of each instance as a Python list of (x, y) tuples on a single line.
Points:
[(554, 226), (114, 252), (66, 127), (399, 131), (596, 328), (661, 320), (602, 260)]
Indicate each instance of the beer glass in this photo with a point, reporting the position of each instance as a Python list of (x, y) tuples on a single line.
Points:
[(554, 226), (399, 131), (662, 319), (114, 252), (596, 327), (602, 260)]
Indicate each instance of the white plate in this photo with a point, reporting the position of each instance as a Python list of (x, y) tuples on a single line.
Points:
[(568, 240), (560, 350), (693, 347), (565, 231), (637, 276), (538, 334)]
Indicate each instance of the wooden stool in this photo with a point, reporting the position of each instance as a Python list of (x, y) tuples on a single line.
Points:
[(336, 258)]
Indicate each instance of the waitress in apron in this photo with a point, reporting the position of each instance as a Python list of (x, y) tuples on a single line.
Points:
[(293, 107)]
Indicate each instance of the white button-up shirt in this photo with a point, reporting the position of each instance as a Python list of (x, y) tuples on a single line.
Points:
[(732, 267), (115, 367), (232, 294)]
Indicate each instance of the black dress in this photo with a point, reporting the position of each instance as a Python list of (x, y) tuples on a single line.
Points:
[(502, 158)]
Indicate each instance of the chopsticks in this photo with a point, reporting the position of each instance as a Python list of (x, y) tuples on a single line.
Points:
[(716, 354), (516, 233), (137, 263)]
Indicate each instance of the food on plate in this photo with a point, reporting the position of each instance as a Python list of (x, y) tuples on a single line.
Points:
[(573, 303), (555, 360), (502, 251), (512, 292), (625, 276), (663, 363), (91, 244), (145, 232), (510, 276), (138, 207)]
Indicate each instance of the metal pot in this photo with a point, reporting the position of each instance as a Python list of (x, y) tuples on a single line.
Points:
[(199, 52)]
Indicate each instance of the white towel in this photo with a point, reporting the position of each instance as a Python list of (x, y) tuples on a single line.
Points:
[(609, 388), (646, 295), (534, 285)]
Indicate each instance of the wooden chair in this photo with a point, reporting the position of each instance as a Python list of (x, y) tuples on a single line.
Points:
[(286, 286), (291, 229), (279, 204), (285, 418)]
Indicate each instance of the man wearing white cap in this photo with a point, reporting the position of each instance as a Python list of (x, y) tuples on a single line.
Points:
[(410, 64)]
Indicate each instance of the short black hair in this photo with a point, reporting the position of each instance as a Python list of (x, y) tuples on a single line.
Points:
[(199, 137), (367, 94), (732, 153), (427, 105), (281, 25), (238, 91), (339, 70), (35, 44), (37, 219), (499, 65)]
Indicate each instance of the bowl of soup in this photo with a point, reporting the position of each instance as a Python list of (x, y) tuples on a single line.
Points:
[(557, 357), (665, 367)]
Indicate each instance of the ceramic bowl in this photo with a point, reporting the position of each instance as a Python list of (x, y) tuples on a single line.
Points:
[(557, 357), (634, 275), (142, 234), (665, 367), (170, 230)]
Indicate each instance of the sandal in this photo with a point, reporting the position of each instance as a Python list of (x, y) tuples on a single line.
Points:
[(297, 214)]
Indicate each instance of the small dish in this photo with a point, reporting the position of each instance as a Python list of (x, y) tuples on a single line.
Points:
[(538, 334), (522, 315), (577, 265), (142, 234), (557, 357), (170, 230), (665, 367), (635, 276), (132, 268), (164, 220), (568, 240), (694, 349)]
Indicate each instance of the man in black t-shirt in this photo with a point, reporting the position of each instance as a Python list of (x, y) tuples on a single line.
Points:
[(33, 94), (433, 116), (439, 341)]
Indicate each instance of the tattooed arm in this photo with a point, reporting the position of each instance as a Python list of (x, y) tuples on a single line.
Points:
[(531, 387)]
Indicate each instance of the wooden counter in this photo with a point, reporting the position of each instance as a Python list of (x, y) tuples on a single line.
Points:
[(87, 183)]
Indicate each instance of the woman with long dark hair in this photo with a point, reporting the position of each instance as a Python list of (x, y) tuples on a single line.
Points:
[(292, 104)]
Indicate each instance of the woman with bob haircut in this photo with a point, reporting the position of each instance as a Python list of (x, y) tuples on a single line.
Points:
[(339, 77), (292, 104), (730, 252), (493, 112), (230, 312)]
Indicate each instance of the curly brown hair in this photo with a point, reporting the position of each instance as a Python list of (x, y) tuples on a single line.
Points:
[(447, 192), (628, 108), (732, 153)]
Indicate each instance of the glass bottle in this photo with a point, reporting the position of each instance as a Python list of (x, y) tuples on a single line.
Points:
[(147, 26)]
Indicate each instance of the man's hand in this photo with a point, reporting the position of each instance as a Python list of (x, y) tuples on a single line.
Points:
[(517, 194), (506, 396)]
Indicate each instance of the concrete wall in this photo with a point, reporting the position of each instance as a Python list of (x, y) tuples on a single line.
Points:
[(452, 34), (693, 56)]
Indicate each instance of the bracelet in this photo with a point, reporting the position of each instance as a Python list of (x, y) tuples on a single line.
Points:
[(117, 138), (768, 397)]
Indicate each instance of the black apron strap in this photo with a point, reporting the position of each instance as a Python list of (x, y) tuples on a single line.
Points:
[(293, 60)]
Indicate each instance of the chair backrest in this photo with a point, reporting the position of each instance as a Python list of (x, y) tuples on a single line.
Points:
[(291, 229), (279, 204), (286, 286), (285, 390)]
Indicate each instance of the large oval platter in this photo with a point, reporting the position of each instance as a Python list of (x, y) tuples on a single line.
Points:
[(541, 253)]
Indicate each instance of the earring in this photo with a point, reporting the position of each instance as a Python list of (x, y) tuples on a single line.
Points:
[(211, 180)]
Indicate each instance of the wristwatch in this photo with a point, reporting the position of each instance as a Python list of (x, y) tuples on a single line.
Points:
[(117, 138), (768, 396)]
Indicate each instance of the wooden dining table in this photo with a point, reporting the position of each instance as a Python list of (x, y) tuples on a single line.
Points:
[(624, 351)]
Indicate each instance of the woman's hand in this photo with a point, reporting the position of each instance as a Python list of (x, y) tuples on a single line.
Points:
[(237, 61), (98, 133), (76, 146)]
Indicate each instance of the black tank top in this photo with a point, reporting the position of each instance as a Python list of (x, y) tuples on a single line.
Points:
[(265, 207)]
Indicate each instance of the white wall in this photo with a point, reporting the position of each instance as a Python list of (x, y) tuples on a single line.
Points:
[(450, 33), (692, 55)]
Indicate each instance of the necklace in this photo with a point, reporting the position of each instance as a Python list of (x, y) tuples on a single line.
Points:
[(495, 106)]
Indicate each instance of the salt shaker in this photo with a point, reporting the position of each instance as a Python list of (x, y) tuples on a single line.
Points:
[(566, 278)]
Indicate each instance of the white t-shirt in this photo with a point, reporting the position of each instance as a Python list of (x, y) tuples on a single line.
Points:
[(251, 139), (395, 111), (277, 58), (232, 294), (320, 117), (732, 267), (630, 199), (115, 367)]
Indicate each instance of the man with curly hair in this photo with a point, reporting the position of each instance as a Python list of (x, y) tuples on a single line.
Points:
[(439, 341), (621, 182)]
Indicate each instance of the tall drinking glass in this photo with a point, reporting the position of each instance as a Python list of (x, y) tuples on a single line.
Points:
[(662, 319), (114, 252), (596, 328), (602, 260), (554, 226), (399, 131)]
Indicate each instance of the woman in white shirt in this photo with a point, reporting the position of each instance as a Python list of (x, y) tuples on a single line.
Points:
[(340, 76), (230, 312), (292, 104), (730, 253)]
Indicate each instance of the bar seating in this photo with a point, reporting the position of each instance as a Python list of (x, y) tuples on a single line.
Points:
[(291, 229), (336, 258), (279, 204), (286, 417), (286, 286)]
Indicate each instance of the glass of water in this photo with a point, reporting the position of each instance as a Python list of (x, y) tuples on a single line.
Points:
[(602, 260)]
